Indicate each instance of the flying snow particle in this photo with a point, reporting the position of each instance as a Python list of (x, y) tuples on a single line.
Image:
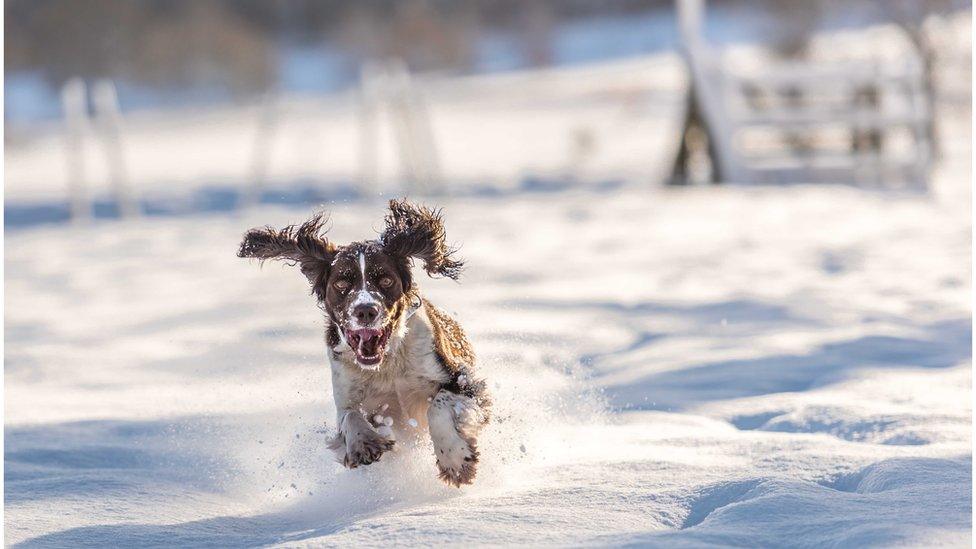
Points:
[(412, 422)]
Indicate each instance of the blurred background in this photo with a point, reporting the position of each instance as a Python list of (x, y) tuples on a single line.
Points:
[(161, 107)]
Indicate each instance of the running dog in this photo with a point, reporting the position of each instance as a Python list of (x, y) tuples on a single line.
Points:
[(399, 364)]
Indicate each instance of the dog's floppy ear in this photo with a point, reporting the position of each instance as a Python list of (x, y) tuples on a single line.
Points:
[(416, 231), (302, 244)]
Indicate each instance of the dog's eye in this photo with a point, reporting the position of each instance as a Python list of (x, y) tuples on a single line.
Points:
[(341, 285), (386, 282)]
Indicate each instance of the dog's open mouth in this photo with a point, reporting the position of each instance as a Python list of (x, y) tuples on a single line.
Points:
[(369, 344)]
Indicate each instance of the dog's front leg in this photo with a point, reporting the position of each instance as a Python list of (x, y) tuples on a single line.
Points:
[(356, 442), (455, 421)]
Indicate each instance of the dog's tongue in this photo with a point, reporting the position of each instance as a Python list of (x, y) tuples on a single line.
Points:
[(366, 344)]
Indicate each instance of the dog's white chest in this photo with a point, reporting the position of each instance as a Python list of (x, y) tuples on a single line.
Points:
[(400, 390)]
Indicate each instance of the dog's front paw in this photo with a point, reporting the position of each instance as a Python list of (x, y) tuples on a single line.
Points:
[(458, 464), (365, 449)]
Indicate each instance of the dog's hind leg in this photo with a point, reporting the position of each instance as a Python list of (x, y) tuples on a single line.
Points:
[(455, 421)]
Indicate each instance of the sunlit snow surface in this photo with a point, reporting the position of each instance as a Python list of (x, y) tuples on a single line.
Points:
[(777, 366)]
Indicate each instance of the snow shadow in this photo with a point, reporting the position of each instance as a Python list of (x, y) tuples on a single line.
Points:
[(210, 198), (947, 344), (81, 459), (216, 532), (904, 498), (708, 317), (222, 198), (941, 345), (124, 466)]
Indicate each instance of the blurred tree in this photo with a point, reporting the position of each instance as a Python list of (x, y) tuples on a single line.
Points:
[(159, 43)]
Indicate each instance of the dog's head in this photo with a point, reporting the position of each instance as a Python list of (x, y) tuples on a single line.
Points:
[(365, 287)]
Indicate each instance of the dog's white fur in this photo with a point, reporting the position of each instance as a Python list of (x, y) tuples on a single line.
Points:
[(407, 388)]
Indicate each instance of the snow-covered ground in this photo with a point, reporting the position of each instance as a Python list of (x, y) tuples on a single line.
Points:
[(773, 366), (704, 366)]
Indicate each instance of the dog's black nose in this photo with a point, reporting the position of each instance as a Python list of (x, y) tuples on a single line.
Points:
[(365, 314)]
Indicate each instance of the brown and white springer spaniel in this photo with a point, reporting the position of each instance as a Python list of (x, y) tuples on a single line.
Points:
[(398, 363)]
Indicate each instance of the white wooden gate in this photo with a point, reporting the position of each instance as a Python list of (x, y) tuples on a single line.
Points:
[(865, 123)]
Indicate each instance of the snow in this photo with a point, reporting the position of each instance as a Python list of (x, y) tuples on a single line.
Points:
[(629, 108), (667, 370), (753, 366)]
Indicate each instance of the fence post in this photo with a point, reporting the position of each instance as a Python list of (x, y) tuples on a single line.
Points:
[(414, 134), (422, 133), (109, 123), (261, 154), (369, 104), (708, 89), (921, 105), (74, 102), (395, 82)]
